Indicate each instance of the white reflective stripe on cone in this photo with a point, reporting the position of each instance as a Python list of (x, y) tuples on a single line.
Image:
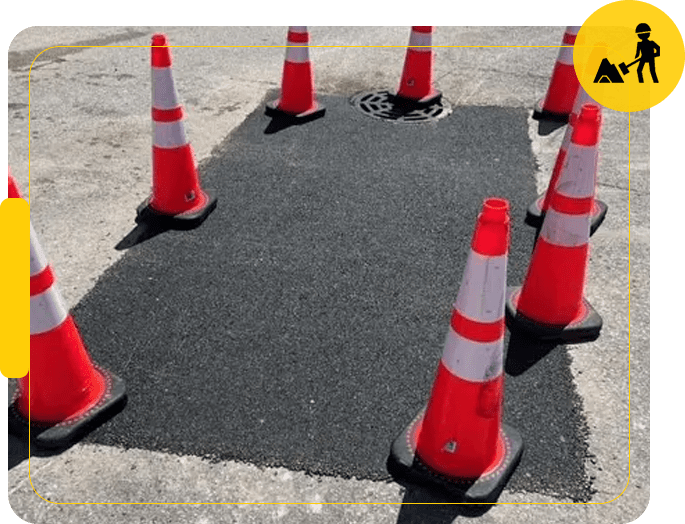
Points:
[(565, 230), (577, 180), (48, 311), (420, 39), (473, 361), (38, 259), (566, 55), (298, 54), (164, 95), (481, 295), (169, 135)]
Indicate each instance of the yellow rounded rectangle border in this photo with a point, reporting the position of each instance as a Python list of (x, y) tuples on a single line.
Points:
[(14, 282)]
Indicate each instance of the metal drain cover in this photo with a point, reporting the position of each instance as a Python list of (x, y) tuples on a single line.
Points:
[(379, 104)]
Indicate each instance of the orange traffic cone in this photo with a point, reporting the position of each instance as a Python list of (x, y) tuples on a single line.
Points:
[(536, 211), (298, 99), (563, 87), (12, 190), (550, 304), (177, 198), (64, 394), (459, 442), (416, 85)]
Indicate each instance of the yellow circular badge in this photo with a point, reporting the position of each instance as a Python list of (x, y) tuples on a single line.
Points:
[(628, 55)]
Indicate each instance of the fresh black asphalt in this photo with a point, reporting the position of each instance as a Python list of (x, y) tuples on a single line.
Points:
[(302, 323)]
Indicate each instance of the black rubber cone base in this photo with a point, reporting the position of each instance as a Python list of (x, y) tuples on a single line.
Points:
[(540, 114), (534, 214), (189, 220), (405, 465), (315, 112), (585, 329), (63, 434), (409, 104)]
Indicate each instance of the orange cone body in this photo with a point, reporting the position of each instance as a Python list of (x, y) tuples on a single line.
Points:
[(459, 442), (64, 383), (552, 293), (582, 99), (298, 97), (460, 433), (558, 164), (563, 86), (63, 388), (176, 190), (416, 83), (537, 209)]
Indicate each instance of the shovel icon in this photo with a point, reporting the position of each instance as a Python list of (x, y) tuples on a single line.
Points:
[(624, 67)]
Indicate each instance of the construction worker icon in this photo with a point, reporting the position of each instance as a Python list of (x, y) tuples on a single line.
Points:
[(647, 51)]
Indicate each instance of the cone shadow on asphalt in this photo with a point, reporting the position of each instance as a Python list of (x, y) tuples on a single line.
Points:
[(18, 447), (280, 122), (18, 451), (547, 127), (144, 230), (524, 352), (421, 505), (18, 441)]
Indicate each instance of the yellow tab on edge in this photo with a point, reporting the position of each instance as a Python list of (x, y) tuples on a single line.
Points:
[(15, 309)]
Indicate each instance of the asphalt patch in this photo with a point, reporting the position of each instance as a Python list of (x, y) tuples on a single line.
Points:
[(302, 323)]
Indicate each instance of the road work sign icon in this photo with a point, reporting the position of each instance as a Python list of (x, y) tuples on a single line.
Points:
[(616, 55)]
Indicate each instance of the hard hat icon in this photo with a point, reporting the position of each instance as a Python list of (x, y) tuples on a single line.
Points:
[(643, 28)]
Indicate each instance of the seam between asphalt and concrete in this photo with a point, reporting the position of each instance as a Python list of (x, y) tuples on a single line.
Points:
[(593, 364)]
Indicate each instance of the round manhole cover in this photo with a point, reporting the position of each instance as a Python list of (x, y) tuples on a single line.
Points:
[(379, 104)]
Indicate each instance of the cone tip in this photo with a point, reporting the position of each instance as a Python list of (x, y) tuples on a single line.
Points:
[(586, 126), (589, 111), (495, 209), (491, 236), (161, 53), (159, 39)]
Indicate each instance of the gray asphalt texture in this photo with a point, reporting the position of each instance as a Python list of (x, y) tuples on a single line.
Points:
[(302, 323)]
